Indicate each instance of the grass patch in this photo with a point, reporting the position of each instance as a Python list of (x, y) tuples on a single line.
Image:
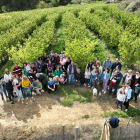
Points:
[(67, 102), (85, 116), (0, 114)]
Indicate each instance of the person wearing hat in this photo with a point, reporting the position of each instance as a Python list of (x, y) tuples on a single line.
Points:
[(33, 69)]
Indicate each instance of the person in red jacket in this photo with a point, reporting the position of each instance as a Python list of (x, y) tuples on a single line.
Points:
[(17, 70), (57, 59)]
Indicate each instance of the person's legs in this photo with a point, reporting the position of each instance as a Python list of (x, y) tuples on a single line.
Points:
[(25, 90), (80, 83), (91, 80), (9, 95), (17, 93), (72, 77), (115, 87), (21, 95), (127, 104), (4, 90), (121, 105), (104, 85), (73, 82), (117, 104), (49, 91), (94, 84), (136, 97), (98, 87), (69, 78), (1, 94), (110, 89)]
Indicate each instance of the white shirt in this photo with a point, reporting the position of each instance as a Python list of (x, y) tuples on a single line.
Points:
[(6, 77), (15, 81), (87, 75), (28, 68), (121, 97), (100, 70)]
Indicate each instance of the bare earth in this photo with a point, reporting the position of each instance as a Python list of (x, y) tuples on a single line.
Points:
[(45, 115)]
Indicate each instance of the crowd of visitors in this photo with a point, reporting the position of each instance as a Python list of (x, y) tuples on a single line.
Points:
[(53, 71)]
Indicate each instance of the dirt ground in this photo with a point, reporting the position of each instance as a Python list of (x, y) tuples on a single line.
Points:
[(45, 115)]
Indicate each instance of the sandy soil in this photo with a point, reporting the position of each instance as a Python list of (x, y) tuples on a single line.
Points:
[(44, 115)]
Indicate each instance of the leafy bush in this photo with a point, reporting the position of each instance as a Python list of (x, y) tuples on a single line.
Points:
[(126, 4), (67, 102), (76, 1), (54, 3), (41, 5)]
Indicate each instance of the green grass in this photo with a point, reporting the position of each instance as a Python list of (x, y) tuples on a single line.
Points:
[(0, 114), (67, 102), (85, 116)]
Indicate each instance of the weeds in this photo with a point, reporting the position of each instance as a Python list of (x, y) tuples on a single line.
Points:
[(85, 116)]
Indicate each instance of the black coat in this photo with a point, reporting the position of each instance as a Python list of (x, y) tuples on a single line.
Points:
[(79, 77)]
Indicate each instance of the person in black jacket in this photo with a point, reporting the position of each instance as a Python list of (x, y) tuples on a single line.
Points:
[(9, 88), (79, 78)]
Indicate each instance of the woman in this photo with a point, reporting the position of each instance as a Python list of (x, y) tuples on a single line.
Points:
[(44, 57), (135, 79), (98, 63), (26, 86), (53, 63), (7, 75), (58, 72), (105, 78), (127, 77), (25, 70), (51, 85), (89, 66), (39, 63)]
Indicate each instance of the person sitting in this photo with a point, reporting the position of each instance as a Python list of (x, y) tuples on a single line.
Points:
[(26, 86), (79, 78), (121, 98), (39, 86), (51, 85), (58, 72), (115, 64), (113, 81), (65, 78), (56, 82), (87, 77), (128, 77), (49, 69), (61, 79), (35, 88)]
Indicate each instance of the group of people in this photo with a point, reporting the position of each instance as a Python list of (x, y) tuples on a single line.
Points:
[(52, 71)]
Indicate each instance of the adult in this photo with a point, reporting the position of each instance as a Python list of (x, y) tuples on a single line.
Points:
[(61, 55), (67, 63), (128, 96), (72, 71), (25, 70), (96, 81), (118, 77), (53, 63), (127, 77), (42, 78), (52, 54), (9, 88), (107, 63), (36, 66), (17, 70), (135, 79), (57, 58), (33, 70), (39, 86), (63, 60), (79, 78), (105, 78), (58, 71), (39, 63), (89, 66), (26, 84), (96, 59), (98, 63), (116, 64), (44, 57)]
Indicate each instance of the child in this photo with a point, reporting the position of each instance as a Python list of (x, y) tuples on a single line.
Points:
[(49, 69), (87, 77), (51, 85), (137, 92), (121, 98), (113, 81), (61, 79)]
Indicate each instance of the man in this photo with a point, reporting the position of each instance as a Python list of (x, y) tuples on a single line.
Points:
[(67, 63), (42, 78), (52, 54), (128, 96), (57, 59), (116, 64), (36, 65), (96, 59), (107, 64), (118, 77), (33, 70), (72, 71), (17, 70), (79, 78)]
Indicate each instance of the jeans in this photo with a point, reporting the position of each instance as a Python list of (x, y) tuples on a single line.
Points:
[(10, 93), (87, 80), (26, 92), (98, 86), (104, 85), (19, 94), (115, 87), (91, 80), (119, 102), (127, 104), (4, 93), (136, 96), (77, 82), (71, 78)]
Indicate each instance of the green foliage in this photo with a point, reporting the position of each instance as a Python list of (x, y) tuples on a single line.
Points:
[(126, 4), (67, 102), (3, 8), (85, 116), (41, 5), (54, 3)]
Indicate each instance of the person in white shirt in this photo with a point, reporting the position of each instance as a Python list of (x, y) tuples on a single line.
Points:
[(87, 76), (98, 63), (7, 75), (28, 69), (121, 96)]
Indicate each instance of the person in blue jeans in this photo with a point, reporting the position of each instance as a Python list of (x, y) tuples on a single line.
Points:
[(79, 78), (72, 71)]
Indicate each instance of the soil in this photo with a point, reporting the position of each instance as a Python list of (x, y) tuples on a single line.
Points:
[(45, 115)]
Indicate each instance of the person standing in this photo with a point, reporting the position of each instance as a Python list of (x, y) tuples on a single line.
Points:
[(128, 77), (67, 63), (128, 96), (98, 63), (57, 58), (96, 59), (72, 71), (118, 78), (135, 79), (33, 70), (25, 70), (107, 64), (17, 70), (89, 66), (115, 64)]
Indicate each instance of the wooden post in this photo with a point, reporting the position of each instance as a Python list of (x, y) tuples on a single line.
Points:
[(76, 129)]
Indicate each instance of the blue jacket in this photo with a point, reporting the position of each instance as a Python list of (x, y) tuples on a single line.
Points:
[(114, 122), (107, 64), (119, 77), (107, 76), (128, 96), (116, 64), (98, 78)]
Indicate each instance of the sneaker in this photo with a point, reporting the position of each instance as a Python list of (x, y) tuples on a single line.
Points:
[(104, 92), (89, 86), (116, 106), (85, 85), (26, 97), (99, 93), (108, 87), (18, 100), (126, 110), (32, 97), (12, 102), (113, 90)]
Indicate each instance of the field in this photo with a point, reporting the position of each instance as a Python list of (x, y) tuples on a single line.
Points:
[(83, 32)]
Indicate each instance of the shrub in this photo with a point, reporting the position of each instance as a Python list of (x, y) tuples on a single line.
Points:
[(41, 5)]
